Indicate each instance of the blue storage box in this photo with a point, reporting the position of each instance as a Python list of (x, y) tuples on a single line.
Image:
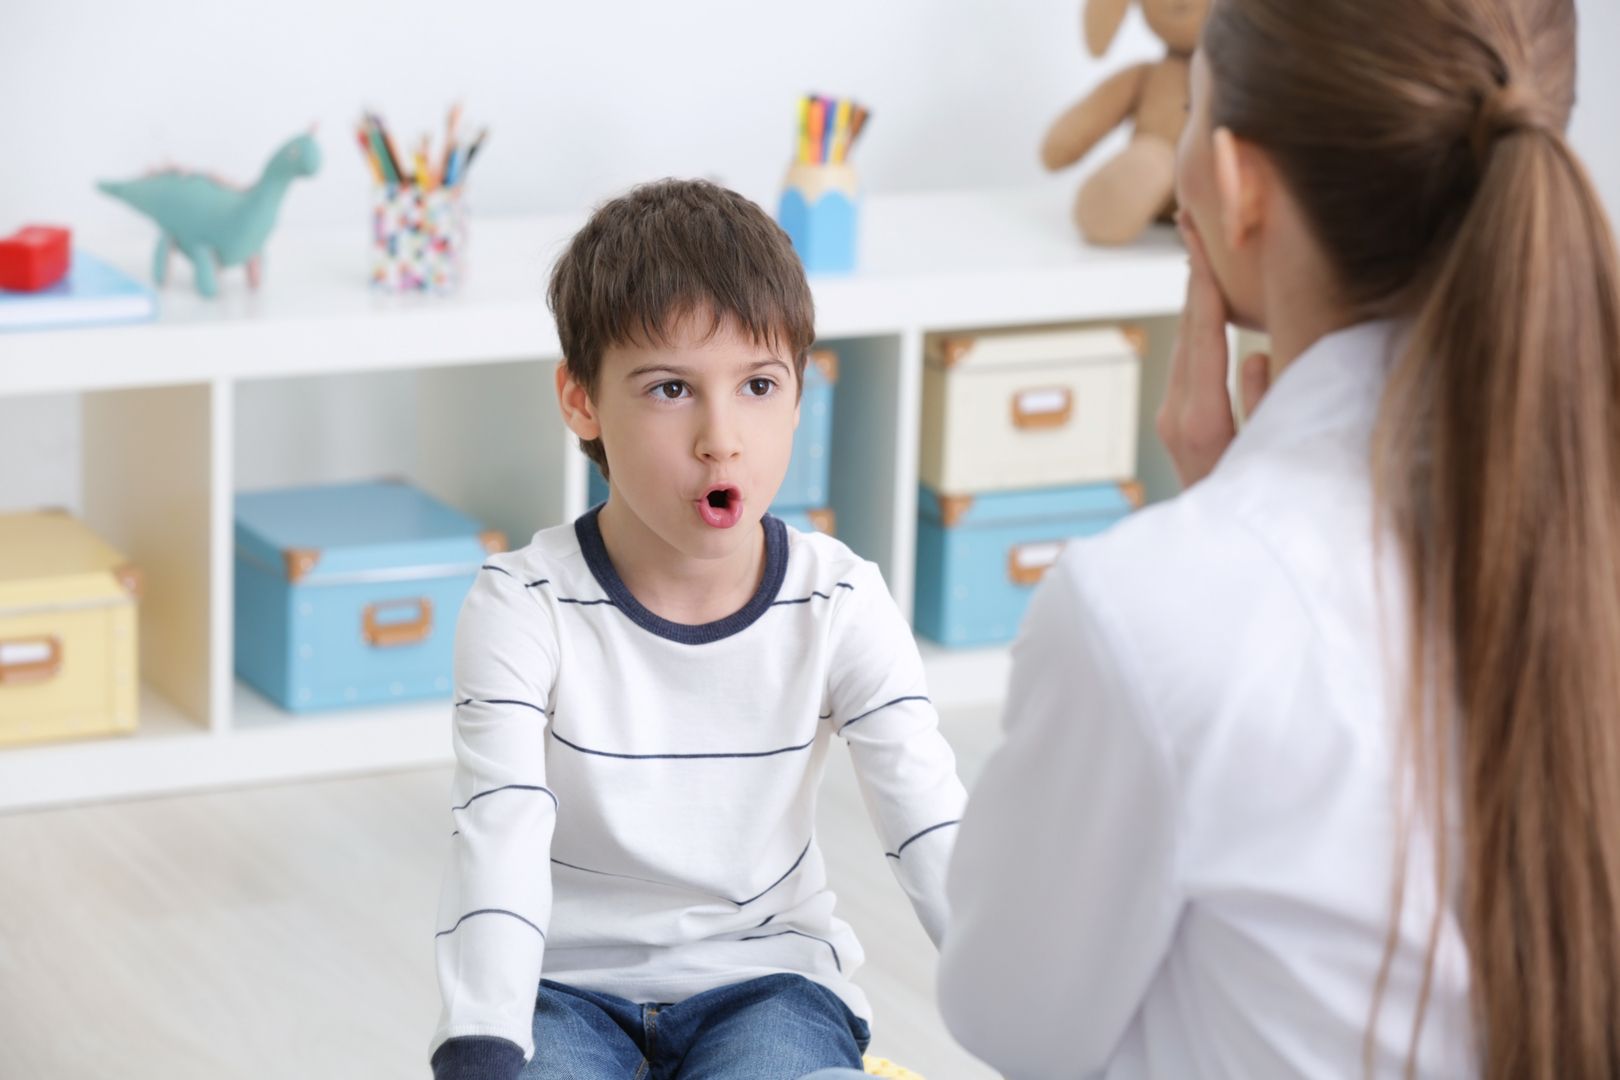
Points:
[(980, 557), (805, 485), (348, 594), (821, 520)]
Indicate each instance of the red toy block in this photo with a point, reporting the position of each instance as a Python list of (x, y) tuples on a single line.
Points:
[(34, 258)]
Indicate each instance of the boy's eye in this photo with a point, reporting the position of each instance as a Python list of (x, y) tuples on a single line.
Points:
[(761, 387), (670, 390)]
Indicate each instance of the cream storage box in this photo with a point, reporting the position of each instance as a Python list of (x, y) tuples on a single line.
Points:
[(67, 631), (1028, 409)]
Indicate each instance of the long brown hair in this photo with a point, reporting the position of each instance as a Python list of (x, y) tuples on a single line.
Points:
[(1424, 141)]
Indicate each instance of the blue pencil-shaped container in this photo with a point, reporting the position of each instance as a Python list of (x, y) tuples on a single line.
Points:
[(820, 211)]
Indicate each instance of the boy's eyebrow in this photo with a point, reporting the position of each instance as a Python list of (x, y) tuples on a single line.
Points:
[(686, 372)]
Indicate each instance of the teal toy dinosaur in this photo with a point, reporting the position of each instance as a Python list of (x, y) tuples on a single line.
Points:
[(211, 222)]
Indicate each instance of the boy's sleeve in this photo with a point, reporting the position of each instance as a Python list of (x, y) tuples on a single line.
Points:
[(1063, 885), (496, 902), (907, 772)]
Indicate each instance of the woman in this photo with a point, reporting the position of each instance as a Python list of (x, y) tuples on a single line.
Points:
[(1315, 770)]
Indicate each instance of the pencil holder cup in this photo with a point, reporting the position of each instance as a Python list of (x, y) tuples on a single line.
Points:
[(819, 211), (418, 239)]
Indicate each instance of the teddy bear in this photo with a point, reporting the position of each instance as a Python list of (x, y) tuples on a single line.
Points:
[(1137, 187)]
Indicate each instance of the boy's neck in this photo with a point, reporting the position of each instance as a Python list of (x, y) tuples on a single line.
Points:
[(671, 584)]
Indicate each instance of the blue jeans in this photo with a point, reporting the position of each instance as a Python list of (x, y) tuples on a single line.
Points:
[(779, 1027)]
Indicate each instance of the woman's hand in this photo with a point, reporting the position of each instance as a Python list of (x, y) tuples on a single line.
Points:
[(1195, 420)]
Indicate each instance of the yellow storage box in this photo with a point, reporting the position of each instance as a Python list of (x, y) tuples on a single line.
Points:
[(67, 631)]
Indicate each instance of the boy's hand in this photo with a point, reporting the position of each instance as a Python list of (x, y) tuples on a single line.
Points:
[(1195, 420)]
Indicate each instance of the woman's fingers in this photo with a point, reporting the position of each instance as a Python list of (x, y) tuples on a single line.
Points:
[(1204, 321), (1195, 420), (1175, 388), (1254, 381)]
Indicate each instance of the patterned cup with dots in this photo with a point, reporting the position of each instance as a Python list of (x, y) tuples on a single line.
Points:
[(418, 239)]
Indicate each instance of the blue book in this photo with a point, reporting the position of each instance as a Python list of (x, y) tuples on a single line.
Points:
[(90, 293)]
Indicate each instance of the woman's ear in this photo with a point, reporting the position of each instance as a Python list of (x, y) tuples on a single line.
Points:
[(578, 410), (1241, 179), (1102, 23)]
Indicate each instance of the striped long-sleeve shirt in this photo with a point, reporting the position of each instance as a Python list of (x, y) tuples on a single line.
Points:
[(633, 807)]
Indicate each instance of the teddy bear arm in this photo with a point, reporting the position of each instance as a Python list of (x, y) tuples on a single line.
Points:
[(1162, 106), (1085, 123)]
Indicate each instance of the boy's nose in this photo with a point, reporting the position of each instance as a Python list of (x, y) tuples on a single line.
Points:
[(718, 441)]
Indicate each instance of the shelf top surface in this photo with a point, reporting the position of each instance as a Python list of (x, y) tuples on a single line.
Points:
[(927, 261)]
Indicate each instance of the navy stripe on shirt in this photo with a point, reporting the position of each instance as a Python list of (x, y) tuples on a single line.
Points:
[(932, 828), (673, 885), (880, 708), (492, 911), (501, 701), (508, 573), (681, 757), (813, 594), (511, 787)]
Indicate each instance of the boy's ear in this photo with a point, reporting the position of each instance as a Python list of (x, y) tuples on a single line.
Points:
[(1242, 178), (578, 411)]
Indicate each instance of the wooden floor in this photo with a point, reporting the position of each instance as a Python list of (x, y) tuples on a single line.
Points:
[(286, 931)]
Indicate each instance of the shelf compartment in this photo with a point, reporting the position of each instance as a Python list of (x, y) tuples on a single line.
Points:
[(487, 438), (874, 425)]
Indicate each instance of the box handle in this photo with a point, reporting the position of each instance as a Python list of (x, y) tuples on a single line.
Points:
[(1047, 407), (1028, 563), (30, 660), (385, 635)]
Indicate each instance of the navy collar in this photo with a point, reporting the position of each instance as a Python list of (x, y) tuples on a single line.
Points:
[(589, 533)]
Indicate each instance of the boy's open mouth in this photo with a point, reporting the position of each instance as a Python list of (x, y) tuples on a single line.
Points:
[(721, 507)]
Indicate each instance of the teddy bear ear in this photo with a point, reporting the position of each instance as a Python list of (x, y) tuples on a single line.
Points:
[(1103, 18)]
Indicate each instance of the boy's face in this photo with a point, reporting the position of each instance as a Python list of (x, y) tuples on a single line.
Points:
[(697, 432)]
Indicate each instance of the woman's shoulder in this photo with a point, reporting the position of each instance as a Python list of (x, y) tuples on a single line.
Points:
[(1189, 549), (1295, 526), (1181, 590), (1244, 581)]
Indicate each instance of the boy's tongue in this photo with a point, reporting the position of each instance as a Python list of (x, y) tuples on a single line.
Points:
[(721, 508)]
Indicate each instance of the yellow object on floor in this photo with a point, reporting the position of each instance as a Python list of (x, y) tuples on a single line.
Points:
[(876, 1066)]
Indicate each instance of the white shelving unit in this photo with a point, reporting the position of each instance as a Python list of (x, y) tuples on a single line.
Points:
[(316, 378)]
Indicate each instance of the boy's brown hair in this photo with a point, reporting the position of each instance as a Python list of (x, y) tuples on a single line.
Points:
[(669, 249)]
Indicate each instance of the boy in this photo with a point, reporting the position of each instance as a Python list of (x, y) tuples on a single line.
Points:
[(645, 698)]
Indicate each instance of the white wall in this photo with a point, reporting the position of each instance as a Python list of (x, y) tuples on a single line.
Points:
[(1595, 127), (583, 99)]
